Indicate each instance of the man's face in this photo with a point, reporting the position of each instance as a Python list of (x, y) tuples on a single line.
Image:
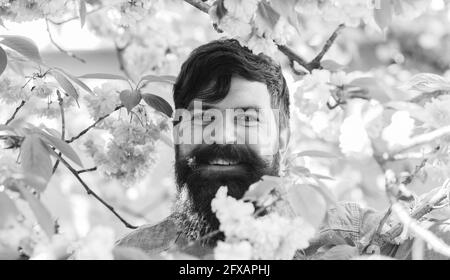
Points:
[(231, 143)]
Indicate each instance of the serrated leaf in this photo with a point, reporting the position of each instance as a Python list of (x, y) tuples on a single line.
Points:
[(40, 212), (36, 163), (261, 188), (159, 79), (8, 209), (315, 153), (22, 45), (427, 82), (61, 146), (130, 99), (3, 60), (82, 12), (158, 103), (340, 252), (76, 80), (383, 14), (308, 203), (65, 84), (103, 76)]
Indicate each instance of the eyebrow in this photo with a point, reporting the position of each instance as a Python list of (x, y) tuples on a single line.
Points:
[(212, 106)]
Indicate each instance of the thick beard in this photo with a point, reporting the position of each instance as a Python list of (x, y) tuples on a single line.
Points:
[(196, 189)]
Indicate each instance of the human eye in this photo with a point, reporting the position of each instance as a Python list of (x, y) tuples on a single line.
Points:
[(247, 119)]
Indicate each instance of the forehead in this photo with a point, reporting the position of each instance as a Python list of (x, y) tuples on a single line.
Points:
[(243, 94)]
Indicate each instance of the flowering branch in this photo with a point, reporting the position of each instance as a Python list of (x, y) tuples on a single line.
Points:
[(59, 47), (22, 103), (90, 191), (84, 131), (291, 55), (87, 170)]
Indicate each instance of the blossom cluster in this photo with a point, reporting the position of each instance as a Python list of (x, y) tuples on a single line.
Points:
[(271, 236)]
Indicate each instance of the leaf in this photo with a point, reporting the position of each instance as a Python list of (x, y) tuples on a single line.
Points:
[(340, 252), (130, 99), (22, 45), (3, 60), (82, 12), (308, 203), (103, 76), (40, 212), (268, 15), (261, 188), (76, 80), (65, 84), (383, 14), (427, 82), (61, 146), (7, 209), (159, 79), (314, 153), (158, 103), (36, 162)]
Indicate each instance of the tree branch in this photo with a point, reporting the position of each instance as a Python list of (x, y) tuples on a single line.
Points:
[(87, 170), (13, 116), (411, 224), (90, 191), (59, 47), (289, 53), (419, 140), (84, 131)]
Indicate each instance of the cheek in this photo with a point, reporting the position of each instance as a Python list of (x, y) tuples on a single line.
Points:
[(264, 139), (184, 150)]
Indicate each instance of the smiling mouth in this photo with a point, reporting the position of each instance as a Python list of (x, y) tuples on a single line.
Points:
[(223, 162)]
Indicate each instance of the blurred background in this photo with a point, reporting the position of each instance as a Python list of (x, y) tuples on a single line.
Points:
[(162, 39)]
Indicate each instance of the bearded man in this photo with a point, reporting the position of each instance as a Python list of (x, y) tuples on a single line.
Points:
[(231, 128)]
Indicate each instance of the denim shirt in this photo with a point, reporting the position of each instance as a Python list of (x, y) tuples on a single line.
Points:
[(345, 224)]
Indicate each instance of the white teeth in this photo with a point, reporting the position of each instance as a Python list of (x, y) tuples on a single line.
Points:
[(222, 162)]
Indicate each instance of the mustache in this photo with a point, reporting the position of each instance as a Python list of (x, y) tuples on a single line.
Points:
[(238, 153)]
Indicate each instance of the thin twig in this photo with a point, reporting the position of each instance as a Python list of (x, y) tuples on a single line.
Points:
[(59, 47), (84, 131), (75, 17), (87, 170), (63, 126), (327, 46), (90, 191), (22, 103)]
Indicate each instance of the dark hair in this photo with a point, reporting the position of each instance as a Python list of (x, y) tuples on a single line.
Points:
[(207, 73)]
